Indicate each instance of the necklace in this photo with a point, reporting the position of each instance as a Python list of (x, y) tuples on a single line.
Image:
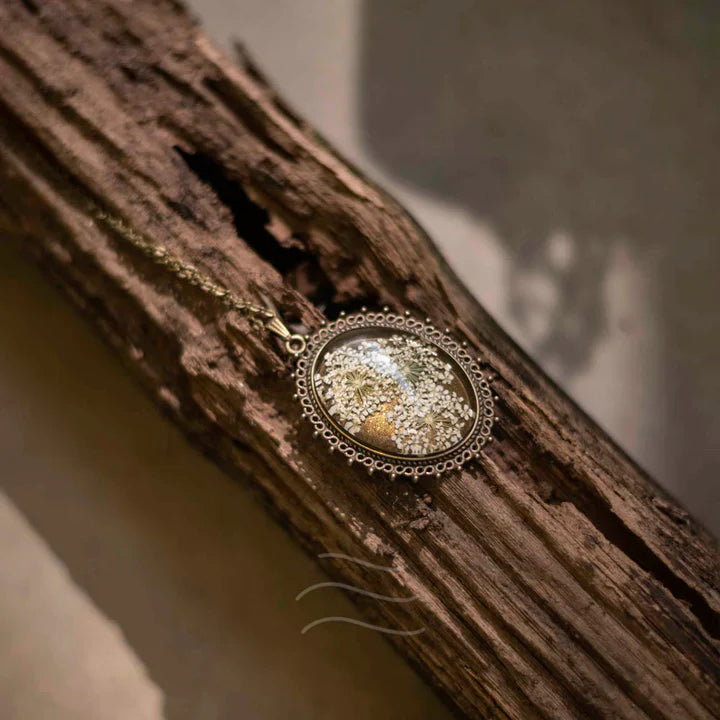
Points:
[(388, 391)]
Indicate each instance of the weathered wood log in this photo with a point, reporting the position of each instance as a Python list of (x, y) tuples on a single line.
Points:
[(554, 579)]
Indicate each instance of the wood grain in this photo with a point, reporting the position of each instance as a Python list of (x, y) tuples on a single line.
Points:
[(555, 579)]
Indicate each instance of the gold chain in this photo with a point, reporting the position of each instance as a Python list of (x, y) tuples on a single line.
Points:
[(259, 315)]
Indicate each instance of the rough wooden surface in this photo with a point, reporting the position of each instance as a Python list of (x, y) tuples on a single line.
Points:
[(555, 580)]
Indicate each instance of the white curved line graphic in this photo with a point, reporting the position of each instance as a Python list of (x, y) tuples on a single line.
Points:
[(352, 588), (360, 623)]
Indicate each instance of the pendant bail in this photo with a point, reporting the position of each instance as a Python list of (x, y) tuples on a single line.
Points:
[(294, 342)]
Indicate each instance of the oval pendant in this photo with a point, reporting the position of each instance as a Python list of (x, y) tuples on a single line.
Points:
[(394, 394)]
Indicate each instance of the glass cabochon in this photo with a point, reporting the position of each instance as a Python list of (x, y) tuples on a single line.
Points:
[(397, 389), (394, 392)]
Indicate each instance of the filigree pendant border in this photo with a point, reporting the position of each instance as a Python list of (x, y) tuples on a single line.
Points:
[(374, 460)]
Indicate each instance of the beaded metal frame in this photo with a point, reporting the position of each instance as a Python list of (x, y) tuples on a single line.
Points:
[(372, 459)]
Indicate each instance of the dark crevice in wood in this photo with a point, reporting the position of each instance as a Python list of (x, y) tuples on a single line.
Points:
[(289, 256), (583, 573), (670, 631), (118, 31), (556, 484), (547, 490), (185, 212), (184, 88), (574, 693), (598, 511), (121, 38), (131, 73), (250, 219)]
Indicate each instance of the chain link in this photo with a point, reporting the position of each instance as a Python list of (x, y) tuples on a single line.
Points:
[(259, 315)]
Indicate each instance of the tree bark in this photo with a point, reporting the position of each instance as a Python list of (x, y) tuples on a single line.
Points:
[(554, 578)]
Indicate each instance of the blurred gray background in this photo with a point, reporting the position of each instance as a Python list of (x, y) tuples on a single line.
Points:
[(564, 157)]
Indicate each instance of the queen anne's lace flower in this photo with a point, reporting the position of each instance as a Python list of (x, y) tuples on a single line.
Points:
[(404, 379)]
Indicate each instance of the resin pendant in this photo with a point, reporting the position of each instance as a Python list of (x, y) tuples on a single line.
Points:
[(394, 394)]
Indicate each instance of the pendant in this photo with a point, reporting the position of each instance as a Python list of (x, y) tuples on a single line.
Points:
[(394, 394), (388, 391)]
